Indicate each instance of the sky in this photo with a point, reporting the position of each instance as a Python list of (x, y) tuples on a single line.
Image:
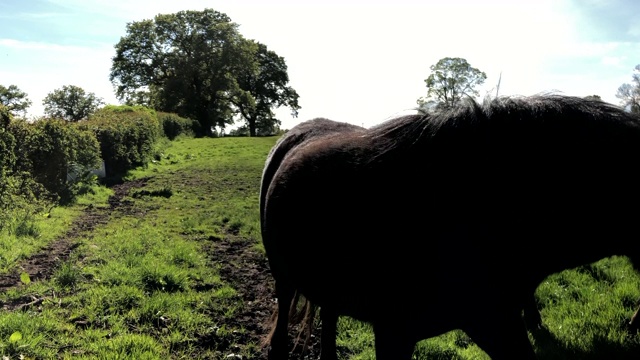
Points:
[(356, 61)]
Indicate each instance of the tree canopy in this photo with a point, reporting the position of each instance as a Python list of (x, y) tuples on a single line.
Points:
[(450, 81), (629, 94), (14, 99), (71, 103), (262, 90), (196, 64)]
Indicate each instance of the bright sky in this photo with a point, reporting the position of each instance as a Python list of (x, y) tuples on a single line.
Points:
[(357, 61)]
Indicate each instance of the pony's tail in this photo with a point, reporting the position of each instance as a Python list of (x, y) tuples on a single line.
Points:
[(302, 313)]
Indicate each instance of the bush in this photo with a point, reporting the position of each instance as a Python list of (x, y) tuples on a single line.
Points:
[(48, 150), (7, 162), (20, 195), (174, 125), (127, 136), (5, 116), (7, 143)]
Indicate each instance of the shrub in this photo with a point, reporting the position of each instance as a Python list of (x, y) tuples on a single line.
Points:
[(35, 160), (50, 149), (20, 194), (126, 134), (5, 116), (174, 125)]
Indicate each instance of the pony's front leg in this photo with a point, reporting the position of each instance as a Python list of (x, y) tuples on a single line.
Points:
[(280, 338), (392, 343), (329, 333)]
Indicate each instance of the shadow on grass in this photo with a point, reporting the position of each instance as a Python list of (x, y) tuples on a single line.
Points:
[(548, 347)]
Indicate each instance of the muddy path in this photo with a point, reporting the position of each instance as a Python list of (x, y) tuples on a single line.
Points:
[(248, 272), (43, 264)]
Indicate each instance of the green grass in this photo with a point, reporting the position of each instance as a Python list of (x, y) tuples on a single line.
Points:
[(27, 234), (143, 287)]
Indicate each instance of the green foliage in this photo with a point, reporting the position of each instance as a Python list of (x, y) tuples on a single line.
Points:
[(629, 94), (450, 81), (5, 116), (14, 100), (116, 109), (198, 66), (7, 142), (127, 136), (174, 125), (21, 198), (262, 90), (20, 194), (49, 150), (71, 103)]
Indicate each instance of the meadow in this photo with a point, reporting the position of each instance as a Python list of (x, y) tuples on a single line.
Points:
[(169, 264)]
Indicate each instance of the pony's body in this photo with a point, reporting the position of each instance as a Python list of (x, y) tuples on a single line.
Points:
[(455, 205)]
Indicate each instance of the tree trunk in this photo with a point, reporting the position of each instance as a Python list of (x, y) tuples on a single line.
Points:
[(252, 127)]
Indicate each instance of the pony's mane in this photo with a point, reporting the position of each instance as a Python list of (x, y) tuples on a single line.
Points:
[(523, 112)]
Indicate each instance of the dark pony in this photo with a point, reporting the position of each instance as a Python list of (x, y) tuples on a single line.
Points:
[(429, 223)]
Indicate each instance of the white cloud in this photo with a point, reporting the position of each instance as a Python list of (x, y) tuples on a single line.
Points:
[(611, 60), (353, 60)]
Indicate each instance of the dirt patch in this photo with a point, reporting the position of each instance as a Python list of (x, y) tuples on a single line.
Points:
[(43, 264), (248, 272)]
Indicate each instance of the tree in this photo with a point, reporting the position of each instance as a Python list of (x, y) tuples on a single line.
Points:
[(196, 64), (260, 91), (629, 94), (14, 99), (593, 97), (71, 103), (451, 79)]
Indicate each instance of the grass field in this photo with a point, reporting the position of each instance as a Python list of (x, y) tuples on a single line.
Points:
[(164, 274)]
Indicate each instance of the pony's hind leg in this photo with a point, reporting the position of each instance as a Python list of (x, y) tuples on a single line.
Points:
[(503, 336), (280, 337), (329, 320)]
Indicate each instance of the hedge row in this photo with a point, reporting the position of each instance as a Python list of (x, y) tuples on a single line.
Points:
[(126, 135), (34, 159), (47, 149), (37, 159)]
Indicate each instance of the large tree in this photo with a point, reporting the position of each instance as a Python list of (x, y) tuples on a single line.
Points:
[(629, 94), (194, 64), (14, 99), (451, 80), (71, 103), (262, 90)]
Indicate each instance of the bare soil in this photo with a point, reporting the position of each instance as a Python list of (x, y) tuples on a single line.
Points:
[(43, 264), (248, 271)]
